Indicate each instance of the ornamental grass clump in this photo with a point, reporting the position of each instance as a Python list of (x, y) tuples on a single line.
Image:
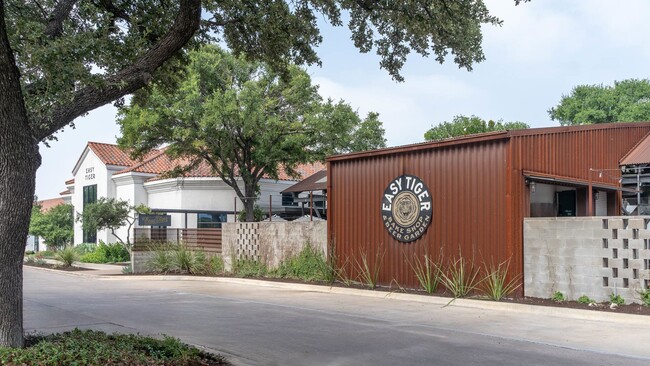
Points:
[(461, 277), (369, 271), (67, 256), (496, 284), (161, 259), (427, 271)]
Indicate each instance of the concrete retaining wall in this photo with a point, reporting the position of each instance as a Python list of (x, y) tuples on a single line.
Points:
[(593, 256), (270, 242)]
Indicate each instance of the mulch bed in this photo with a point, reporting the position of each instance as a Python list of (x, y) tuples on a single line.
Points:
[(627, 308), (57, 267)]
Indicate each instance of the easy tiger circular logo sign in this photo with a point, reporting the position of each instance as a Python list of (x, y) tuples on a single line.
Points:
[(406, 208)]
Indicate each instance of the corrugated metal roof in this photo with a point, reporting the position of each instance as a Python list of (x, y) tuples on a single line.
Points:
[(640, 153), (488, 136), (315, 182)]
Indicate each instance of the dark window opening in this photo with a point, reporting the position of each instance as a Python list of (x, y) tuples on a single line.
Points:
[(287, 200), (89, 197), (211, 220)]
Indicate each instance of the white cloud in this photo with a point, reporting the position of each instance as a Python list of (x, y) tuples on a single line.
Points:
[(407, 109), (533, 34)]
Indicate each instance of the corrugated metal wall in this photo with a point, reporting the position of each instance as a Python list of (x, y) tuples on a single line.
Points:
[(478, 192), (467, 183)]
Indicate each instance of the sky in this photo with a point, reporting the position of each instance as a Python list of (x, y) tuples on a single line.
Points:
[(543, 50)]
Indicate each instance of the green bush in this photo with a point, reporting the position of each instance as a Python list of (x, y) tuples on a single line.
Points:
[(558, 297), (584, 299), (215, 265), (644, 295), (84, 248), (105, 253), (67, 256), (85, 348), (249, 268), (616, 299), (308, 265)]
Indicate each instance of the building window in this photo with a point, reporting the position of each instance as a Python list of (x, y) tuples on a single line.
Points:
[(211, 220), (287, 200), (90, 196)]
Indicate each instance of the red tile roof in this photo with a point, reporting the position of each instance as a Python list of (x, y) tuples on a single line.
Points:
[(111, 154), (66, 192), (159, 163), (47, 205)]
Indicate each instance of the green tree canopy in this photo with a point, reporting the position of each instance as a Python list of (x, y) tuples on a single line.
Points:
[(244, 120), (111, 214), (626, 101), (463, 125), (55, 226)]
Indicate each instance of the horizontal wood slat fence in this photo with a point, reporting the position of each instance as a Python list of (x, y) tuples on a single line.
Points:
[(206, 240)]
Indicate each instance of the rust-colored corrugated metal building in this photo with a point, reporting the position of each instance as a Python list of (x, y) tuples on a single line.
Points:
[(481, 188)]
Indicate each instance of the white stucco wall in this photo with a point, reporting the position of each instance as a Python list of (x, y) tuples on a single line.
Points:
[(91, 171)]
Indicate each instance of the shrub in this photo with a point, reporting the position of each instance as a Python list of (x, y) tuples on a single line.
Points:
[(558, 297), (644, 296), (584, 299), (85, 248), (249, 268), (67, 256), (461, 277), (308, 265), (215, 264), (496, 285), (616, 299), (161, 259), (98, 348), (105, 253), (29, 252)]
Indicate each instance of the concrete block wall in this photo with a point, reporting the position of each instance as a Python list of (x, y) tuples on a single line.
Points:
[(593, 256), (139, 261), (270, 242)]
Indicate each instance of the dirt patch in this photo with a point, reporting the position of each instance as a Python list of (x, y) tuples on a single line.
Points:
[(57, 267)]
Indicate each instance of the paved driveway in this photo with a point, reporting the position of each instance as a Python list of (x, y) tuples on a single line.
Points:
[(261, 325)]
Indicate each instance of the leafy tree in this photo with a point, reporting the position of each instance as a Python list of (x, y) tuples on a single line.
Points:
[(111, 214), (244, 120), (626, 101), (61, 59), (463, 125), (55, 226)]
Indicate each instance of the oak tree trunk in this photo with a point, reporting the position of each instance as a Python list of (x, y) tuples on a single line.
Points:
[(249, 201), (19, 159)]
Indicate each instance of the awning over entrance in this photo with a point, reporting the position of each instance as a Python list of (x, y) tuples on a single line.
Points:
[(573, 182)]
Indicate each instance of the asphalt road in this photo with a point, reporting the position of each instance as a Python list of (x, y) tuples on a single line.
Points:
[(274, 326)]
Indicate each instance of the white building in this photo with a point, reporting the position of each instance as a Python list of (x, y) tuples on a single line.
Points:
[(196, 200)]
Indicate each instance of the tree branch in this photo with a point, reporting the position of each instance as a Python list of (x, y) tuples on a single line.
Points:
[(129, 79), (54, 26)]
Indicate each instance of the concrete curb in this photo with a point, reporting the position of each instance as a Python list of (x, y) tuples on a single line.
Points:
[(589, 315)]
